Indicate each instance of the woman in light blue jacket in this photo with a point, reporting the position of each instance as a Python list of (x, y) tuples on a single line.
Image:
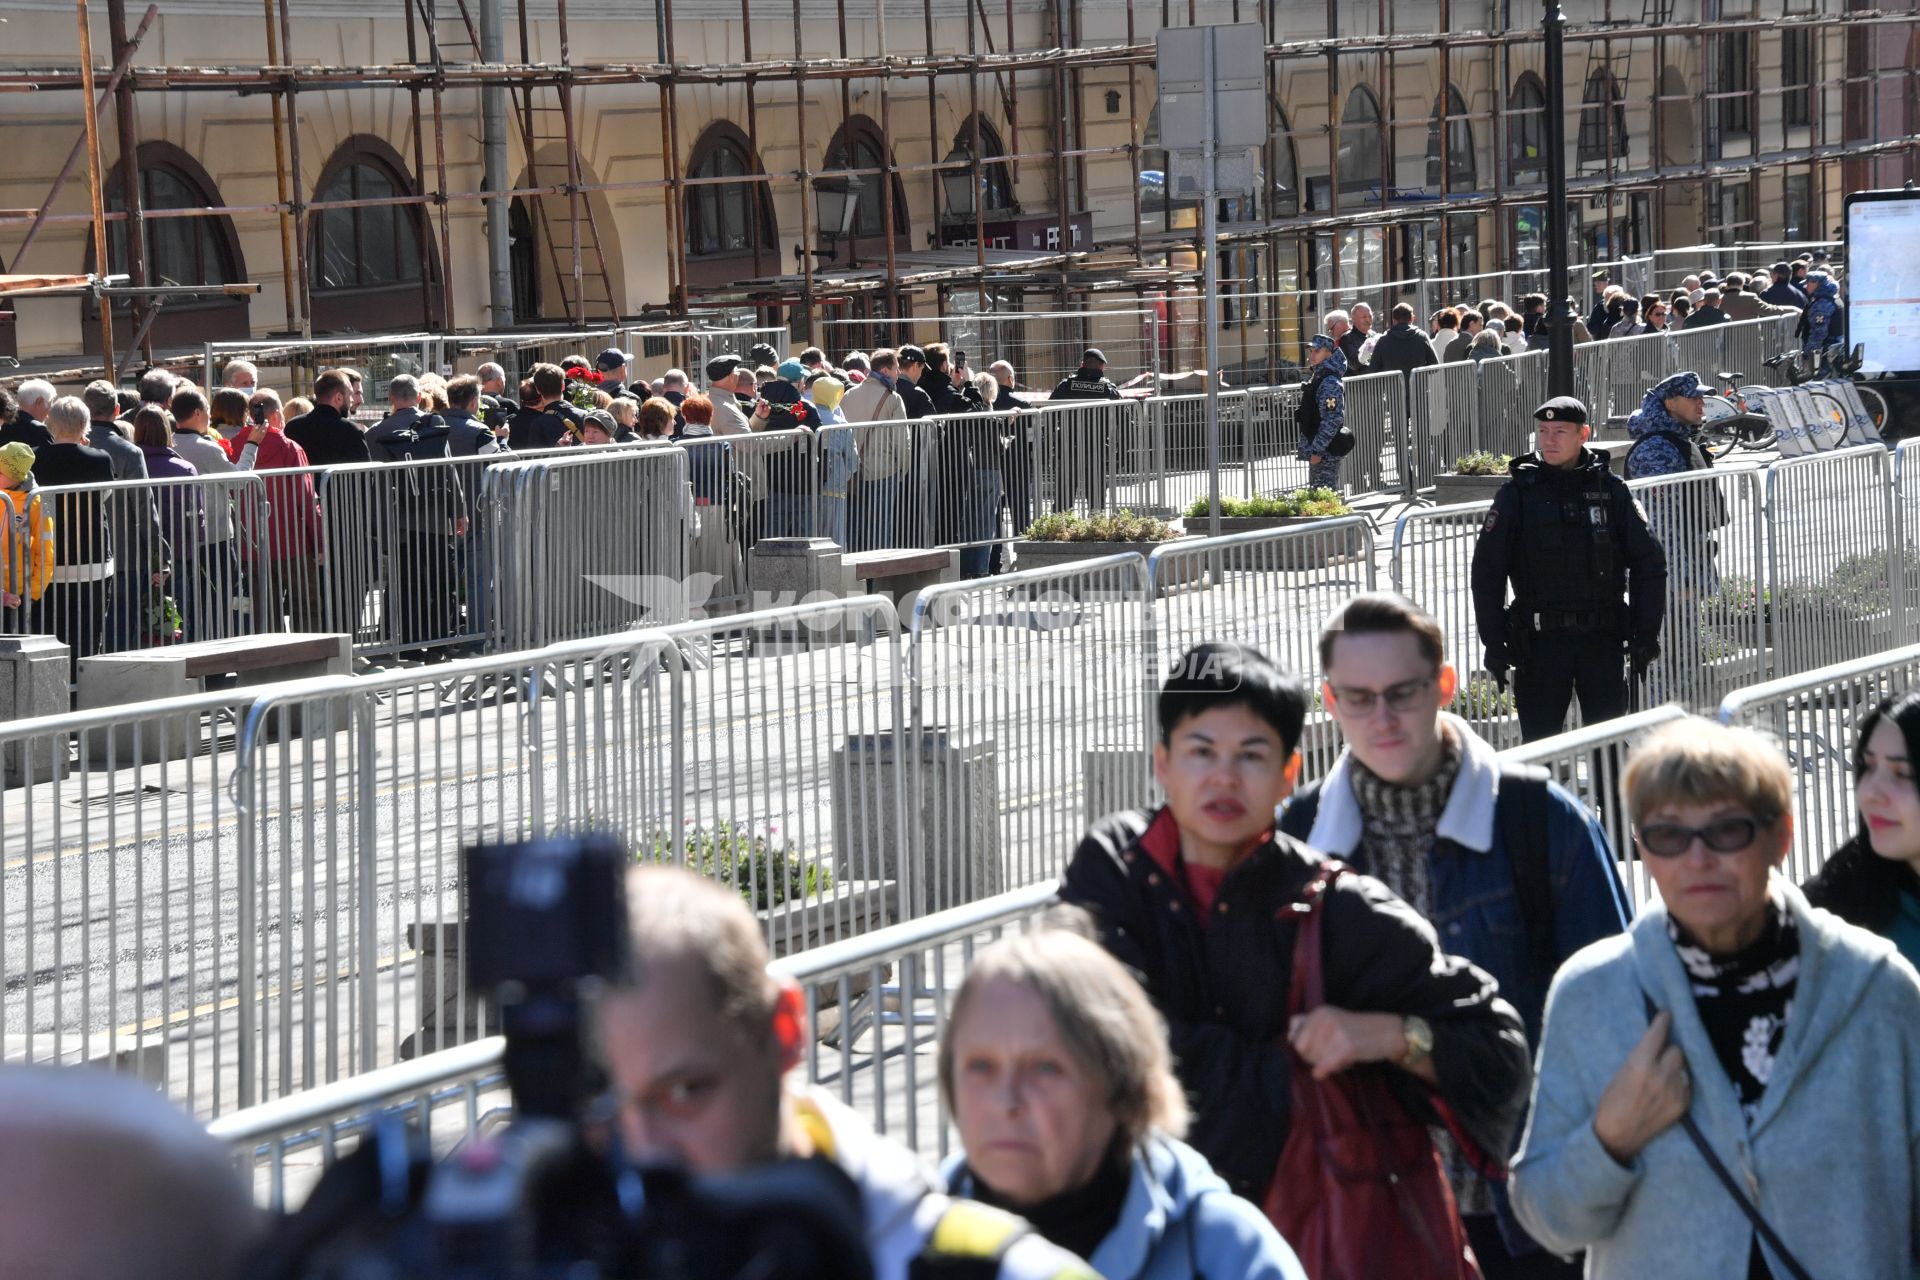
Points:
[(1055, 1068), (1734, 1019)]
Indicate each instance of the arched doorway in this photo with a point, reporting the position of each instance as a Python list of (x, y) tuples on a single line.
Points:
[(540, 238), (198, 250), (859, 144), (372, 268), (1362, 171), (731, 232)]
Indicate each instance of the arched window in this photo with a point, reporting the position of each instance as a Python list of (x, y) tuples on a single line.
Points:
[(1602, 98), (860, 145), (727, 219), (199, 250), (1360, 167), (368, 263), (1527, 131), (1450, 111), (1283, 182), (996, 179)]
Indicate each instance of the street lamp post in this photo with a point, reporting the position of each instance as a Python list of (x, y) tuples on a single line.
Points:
[(1559, 304), (837, 202), (958, 184)]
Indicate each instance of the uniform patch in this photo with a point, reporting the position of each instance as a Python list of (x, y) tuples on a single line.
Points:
[(1333, 402), (1493, 518)]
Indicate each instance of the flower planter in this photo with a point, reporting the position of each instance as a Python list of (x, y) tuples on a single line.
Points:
[(848, 909), (1451, 489)]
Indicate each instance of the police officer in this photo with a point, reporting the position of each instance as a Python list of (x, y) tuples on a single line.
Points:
[(1081, 447), (1322, 413), (1570, 537)]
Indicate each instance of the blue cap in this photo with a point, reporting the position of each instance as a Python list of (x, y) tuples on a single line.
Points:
[(1680, 384), (611, 358), (1321, 342), (791, 370)]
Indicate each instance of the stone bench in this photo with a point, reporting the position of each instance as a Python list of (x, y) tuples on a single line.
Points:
[(144, 1059), (900, 574), (171, 671), (788, 571)]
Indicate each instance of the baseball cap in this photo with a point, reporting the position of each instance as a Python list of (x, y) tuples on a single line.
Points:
[(911, 354), (611, 358)]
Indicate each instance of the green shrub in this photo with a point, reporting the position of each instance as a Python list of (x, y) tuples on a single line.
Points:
[(1310, 501), (1118, 526), (1479, 698), (1481, 464), (763, 869)]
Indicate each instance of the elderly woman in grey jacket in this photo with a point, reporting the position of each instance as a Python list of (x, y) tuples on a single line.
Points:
[(1734, 1022)]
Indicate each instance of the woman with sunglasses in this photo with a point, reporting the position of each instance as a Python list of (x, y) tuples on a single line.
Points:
[(1732, 1089), (1871, 880)]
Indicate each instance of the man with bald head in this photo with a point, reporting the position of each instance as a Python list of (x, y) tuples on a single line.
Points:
[(102, 1178)]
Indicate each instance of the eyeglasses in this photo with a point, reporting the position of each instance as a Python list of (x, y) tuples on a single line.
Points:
[(1724, 835), (1400, 698)]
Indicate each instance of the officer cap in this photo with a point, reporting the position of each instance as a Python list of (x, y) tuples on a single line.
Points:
[(1321, 342), (1602, 274), (1093, 355), (1680, 384), (1561, 409)]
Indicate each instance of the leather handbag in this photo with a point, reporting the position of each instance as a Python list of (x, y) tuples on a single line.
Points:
[(1359, 1191)]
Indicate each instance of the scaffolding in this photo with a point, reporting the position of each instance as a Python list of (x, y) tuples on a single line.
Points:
[(449, 48)]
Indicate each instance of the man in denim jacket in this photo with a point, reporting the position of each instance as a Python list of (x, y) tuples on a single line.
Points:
[(1511, 871)]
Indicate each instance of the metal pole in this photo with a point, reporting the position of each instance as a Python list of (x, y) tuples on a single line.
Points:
[(93, 187), (300, 212), (127, 128), (493, 133), (1559, 309), (1210, 310)]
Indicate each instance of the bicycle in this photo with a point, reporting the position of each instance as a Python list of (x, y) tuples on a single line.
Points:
[(1730, 423), (1835, 376)]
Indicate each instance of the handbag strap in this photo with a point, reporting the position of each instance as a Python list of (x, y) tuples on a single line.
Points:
[(1720, 1171), (1307, 988)]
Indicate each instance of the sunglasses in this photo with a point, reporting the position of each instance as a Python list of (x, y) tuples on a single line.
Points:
[(1724, 835)]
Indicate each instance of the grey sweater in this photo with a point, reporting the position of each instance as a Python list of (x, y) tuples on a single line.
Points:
[(1830, 1156)]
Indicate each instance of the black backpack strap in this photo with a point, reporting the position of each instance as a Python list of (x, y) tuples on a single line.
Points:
[(1524, 809), (1297, 816)]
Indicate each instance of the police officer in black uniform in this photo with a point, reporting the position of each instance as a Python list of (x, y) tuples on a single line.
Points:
[(1081, 447), (1573, 541)]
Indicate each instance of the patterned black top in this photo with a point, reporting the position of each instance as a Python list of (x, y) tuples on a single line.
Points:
[(1744, 1000)]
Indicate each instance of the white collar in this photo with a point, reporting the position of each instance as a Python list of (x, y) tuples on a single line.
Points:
[(1467, 819)]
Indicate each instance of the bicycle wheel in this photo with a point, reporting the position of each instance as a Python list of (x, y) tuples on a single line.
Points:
[(1717, 434), (1830, 428), (1876, 406)]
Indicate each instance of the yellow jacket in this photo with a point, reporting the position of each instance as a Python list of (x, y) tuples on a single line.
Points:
[(26, 545)]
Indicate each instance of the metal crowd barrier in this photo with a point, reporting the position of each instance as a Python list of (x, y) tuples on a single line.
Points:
[(1271, 589), (1029, 717), (1835, 572), (1444, 400), (1816, 716)]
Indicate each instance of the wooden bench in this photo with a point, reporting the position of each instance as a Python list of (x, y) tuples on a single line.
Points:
[(902, 573), (171, 671)]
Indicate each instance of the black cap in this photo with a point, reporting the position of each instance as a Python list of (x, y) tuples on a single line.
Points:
[(911, 354), (722, 367), (1093, 355), (1561, 409), (761, 353)]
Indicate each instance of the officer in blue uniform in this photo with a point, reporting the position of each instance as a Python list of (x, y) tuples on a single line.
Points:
[(1821, 325), (1323, 412), (1589, 580)]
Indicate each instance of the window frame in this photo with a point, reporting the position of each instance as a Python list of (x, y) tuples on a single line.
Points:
[(1524, 123)]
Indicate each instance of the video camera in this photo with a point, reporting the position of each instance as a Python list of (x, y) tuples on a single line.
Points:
[(552, 1195)]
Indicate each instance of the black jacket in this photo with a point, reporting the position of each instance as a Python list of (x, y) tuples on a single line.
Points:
[(1087, 383), (1403, 348), (24, 430), (947, 397), (1702, 316), (1350, 343), (329, 439), (535, 429), (1222, 987), (1861, 887), (919, 404), (1570, 542), (80, 520), (467, 436), (1781, 293)]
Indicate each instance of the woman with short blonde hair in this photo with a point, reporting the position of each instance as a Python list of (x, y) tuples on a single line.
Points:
[(1731, 1089), (1055, 1068)]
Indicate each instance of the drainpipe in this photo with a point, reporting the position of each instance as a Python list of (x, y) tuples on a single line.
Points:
[(493, 135)]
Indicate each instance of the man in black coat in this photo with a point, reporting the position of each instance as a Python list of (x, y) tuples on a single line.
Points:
[(27, 425), (1708, 312), (75, 605), (429, 506), (913, 367), (141, 556), (1195, 898), (1079, 448), (1783, 292), (324, 431), (1402, 347), (536, 425)]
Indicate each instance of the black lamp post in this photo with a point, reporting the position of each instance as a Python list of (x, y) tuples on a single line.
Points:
[(962, 194), (1559, 306), (837, 204)]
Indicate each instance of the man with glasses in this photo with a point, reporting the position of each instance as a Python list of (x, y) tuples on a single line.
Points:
[(1588, 578), (1513, 873)]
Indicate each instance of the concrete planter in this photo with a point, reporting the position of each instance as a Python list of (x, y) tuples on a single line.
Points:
[(1450, 489), (849, 909), (1030, 553), (1735, 671)]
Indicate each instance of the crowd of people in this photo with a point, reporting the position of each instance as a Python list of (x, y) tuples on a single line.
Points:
[(1398, 1020)]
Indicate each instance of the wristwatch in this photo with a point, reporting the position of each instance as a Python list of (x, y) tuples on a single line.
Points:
[(1419, 1038)]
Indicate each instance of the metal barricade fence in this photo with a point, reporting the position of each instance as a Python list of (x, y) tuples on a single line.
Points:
[(1835, 574), (117, 938), (1906, 504), (1082, 456), (136, 564), (1377, 416), (1273, 437), (656, 350), (1712, 638), (1612, 375), (762, 750), (1175, 433), (1030, 709), (587, 546), (1511, 388), (1588, 762), (880, 1067), (1271, 589), (1432, 565), (1444, 405), (294, 364), (1816, 716)]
